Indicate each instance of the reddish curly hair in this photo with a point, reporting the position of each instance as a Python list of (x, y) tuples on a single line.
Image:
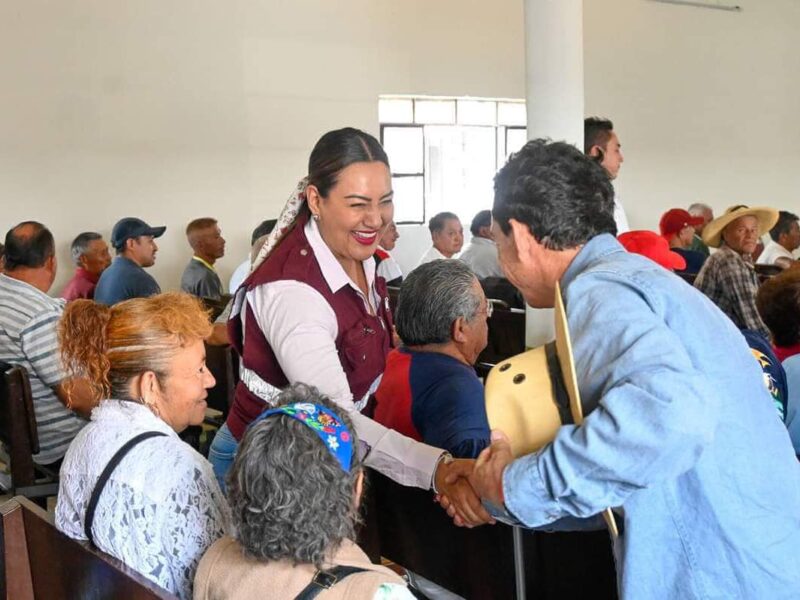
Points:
[(110, 345)]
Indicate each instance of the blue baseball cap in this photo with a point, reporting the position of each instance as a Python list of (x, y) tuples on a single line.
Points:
[(131, 227)]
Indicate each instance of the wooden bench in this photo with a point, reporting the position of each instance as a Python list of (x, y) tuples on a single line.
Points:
[(38, 561), (405, 526), (19, 434)]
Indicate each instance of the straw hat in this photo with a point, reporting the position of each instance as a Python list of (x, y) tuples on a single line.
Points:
[(531, 395), (767, 217)]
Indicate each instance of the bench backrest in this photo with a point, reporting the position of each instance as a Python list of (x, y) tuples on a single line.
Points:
[(404, 525), (18, 423), (38, 561)]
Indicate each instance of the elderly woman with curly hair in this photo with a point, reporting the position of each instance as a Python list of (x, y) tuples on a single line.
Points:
[(128, 483), (294, 491)]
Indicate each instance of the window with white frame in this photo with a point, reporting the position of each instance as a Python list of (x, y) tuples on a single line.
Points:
[(444, 152)]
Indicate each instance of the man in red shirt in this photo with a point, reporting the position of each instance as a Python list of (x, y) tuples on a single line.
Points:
[(91, 256)]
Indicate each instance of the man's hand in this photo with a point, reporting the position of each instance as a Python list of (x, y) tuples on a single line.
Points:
[(457, 496), (487, 476)]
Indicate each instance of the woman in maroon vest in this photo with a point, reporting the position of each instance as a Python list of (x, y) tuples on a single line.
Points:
[(313, 310)]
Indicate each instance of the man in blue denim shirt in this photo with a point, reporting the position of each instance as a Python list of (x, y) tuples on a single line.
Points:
[(680, 437)]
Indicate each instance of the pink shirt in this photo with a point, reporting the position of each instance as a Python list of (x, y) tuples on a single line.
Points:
[(81, 285)]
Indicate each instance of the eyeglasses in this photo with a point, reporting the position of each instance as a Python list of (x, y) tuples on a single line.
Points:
[(489, 310)]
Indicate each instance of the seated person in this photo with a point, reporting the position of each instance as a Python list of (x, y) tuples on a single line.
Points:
[(481, 254), (785, 240), (386, 266), (677, 227), (447, 237), (778, 303), (653, 246), (774, 373), (28, 338), (134, 242), (199, 277), (706, 213), (91, 257), (161, 507), (294, 490), (728, 277), (257, 239), (429, 390)]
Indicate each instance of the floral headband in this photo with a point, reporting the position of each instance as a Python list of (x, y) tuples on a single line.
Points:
[(324, 423)]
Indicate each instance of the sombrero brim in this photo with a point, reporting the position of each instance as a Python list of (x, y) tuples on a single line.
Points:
[(767, 217), (531, 395)]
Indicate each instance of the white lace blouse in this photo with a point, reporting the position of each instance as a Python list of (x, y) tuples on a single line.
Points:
[(161, 507)]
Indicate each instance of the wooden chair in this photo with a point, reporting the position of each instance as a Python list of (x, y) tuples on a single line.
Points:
[(38, 561), (224, 366), (19, 434), (394, 294), (506, 336), (405, 526)]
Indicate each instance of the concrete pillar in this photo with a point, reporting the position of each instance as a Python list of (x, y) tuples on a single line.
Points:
[(554, 96)]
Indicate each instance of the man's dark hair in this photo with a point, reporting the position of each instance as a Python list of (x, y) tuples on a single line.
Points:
[(28, 244), (778, 303), (482, 219), (264, 228), (564, 197), (784, 224), (596, 132), (439, 220), (80, 245)]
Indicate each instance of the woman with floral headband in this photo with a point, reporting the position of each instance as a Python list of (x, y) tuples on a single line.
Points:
[(294, 490), (313, 311)]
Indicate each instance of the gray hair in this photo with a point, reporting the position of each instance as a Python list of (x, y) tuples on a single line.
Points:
[(289, 497), (698, 209), (431, 298), (80, 245)]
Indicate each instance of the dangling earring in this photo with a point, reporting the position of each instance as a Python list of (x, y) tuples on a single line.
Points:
[(316, 217)]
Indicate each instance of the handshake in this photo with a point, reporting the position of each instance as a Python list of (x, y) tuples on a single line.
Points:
[(461, 484)]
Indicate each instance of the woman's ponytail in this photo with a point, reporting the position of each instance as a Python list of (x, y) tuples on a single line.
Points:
[(83, 341)]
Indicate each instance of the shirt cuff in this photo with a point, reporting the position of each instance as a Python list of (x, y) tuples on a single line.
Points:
[(526, 496)]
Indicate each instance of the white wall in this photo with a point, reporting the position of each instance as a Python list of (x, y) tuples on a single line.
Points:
[(173, 110)]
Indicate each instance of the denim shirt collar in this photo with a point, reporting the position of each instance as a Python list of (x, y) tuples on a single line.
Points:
[(595, 248)]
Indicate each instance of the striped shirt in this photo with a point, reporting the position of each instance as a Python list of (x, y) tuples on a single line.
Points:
[(28, 322)]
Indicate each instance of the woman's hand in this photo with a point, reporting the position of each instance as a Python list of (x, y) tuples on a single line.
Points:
[(456, 495)]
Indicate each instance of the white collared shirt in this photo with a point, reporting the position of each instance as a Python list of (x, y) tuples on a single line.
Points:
[(481, 257), (301, 328), (431, 255), (772, 252)]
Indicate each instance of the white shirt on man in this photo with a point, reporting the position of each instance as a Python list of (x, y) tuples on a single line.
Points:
[(431, 255), (620, 218), (772, 252), (302, 328), (239, 275), (481, 257)]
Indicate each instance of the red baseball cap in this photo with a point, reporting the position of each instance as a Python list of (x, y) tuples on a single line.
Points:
[(676, 219), (654, 247)]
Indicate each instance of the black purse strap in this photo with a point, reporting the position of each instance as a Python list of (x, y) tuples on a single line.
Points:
[(324, 580), (103, 479)]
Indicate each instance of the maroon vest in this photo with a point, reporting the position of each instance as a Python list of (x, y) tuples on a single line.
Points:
[(362, 341)]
